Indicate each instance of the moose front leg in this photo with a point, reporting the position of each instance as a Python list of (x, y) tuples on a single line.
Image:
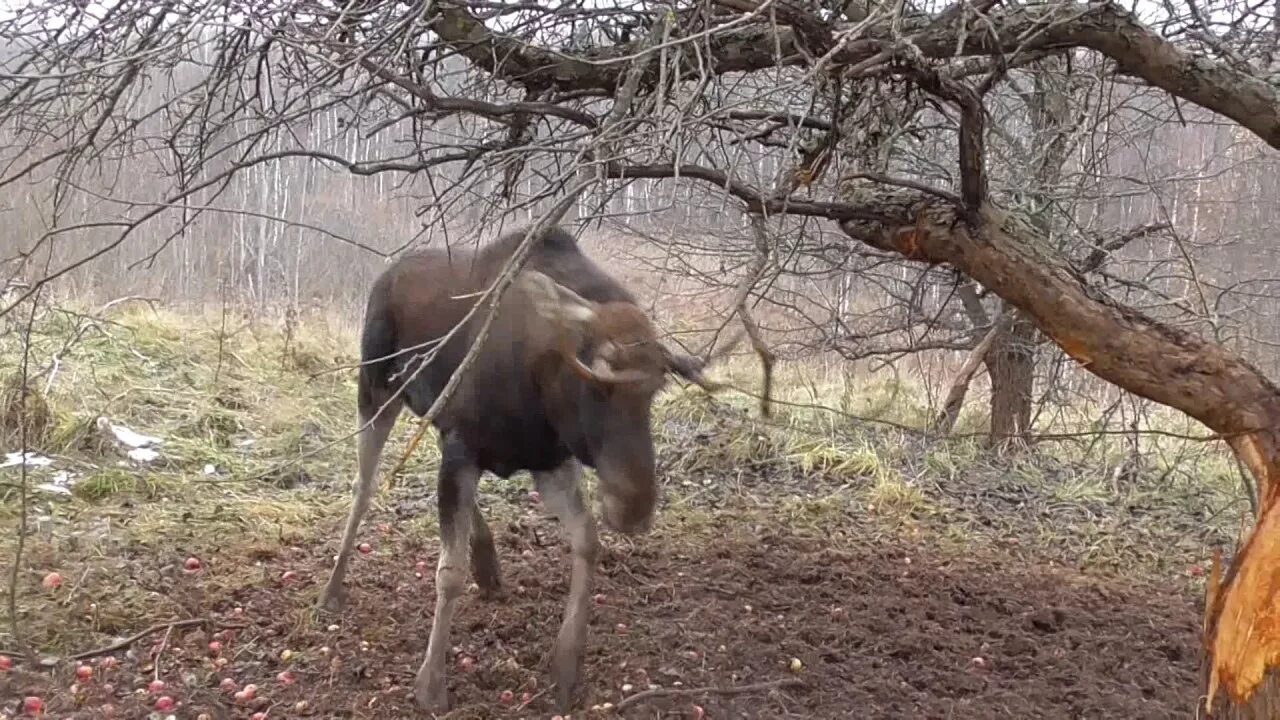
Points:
[(456, 500), (561, 491)]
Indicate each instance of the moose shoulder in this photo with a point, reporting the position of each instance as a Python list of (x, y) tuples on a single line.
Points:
[(565, 377)]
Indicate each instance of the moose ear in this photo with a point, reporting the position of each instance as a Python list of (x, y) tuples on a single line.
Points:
[(556, 302)]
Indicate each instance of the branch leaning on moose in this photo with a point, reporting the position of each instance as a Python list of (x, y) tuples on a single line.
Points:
[(565, 378)]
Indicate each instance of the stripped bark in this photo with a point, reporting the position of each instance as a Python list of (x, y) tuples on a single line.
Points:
[(1009, 257), (1155, 361)]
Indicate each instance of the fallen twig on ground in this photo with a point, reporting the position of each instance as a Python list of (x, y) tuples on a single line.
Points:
[(713, 690), (168, 627)]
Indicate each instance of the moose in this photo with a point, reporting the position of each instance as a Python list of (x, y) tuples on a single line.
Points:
[(565, 378)]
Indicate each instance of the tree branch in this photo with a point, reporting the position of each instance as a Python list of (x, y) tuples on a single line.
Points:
[(1104, 27)]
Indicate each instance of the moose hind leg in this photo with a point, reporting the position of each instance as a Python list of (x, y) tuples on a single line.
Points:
[(484, 556), (369, 449), (561, 491), (456, 498)]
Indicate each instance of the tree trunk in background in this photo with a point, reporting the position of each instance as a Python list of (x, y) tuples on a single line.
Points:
[(946, 419), (1011, 365), (1150, 359)]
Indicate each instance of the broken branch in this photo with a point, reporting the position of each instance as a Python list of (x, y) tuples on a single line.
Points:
[(167, 627), (735, 690)]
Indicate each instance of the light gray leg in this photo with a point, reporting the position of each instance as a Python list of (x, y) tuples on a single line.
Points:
[(456, 497), (561, 491), (371, 441)]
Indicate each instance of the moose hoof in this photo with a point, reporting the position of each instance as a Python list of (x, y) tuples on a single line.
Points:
[(491, 593), (432, 697), (565, 671), (333, 599)]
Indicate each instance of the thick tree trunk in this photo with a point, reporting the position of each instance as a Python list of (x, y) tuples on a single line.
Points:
[(1011, 365), (1158, 362)]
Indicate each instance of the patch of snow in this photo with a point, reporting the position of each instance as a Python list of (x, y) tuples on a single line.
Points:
[(143, 454), (61, 485), (15, 459), (127, 436)]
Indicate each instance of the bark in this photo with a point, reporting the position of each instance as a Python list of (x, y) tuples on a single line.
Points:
[(945, 421), (1107, 28), (1116, 343), (1011, 365), (1150, 359)]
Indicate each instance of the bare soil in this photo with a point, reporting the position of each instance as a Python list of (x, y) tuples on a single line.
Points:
[(883, 628)]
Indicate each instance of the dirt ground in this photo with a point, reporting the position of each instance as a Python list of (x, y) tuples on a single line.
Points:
[(882, 629)]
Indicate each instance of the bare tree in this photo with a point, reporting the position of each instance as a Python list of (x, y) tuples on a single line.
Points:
[(798, 140)]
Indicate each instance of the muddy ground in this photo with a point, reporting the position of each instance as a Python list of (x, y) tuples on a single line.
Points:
[(883, 627)]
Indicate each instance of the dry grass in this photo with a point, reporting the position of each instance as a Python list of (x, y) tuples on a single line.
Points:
[(256, 461)]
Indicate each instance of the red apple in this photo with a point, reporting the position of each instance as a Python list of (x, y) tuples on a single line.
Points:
[(52, 581), (192, 564), (164, 703), (32, 705), (155, 686), (84, 673)]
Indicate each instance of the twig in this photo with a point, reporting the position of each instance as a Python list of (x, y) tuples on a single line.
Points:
[(155, 663), (736, 690), (498, 290), (122, 644), (24, 421)]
